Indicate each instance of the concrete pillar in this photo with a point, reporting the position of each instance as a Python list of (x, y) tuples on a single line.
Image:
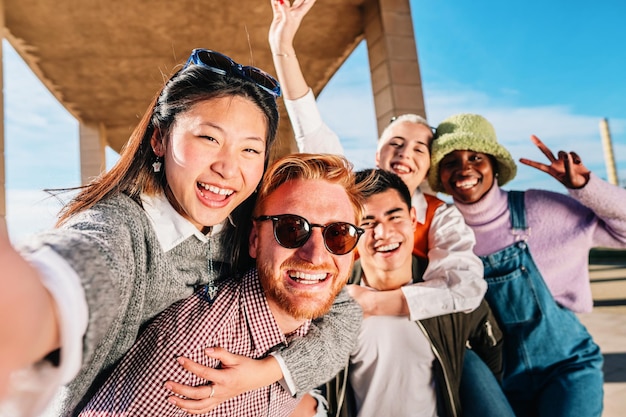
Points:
[(609, 158), (394, 67), (3, 206), (92, 151)]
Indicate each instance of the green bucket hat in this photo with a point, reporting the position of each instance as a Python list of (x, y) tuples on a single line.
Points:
[(468, 132)]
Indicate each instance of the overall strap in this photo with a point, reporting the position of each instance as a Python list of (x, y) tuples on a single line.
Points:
[(518, 215)]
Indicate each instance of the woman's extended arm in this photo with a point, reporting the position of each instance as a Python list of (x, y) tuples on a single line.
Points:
[(28, 322)]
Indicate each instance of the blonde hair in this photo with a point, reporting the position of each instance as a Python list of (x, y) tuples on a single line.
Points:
[(409, 118)]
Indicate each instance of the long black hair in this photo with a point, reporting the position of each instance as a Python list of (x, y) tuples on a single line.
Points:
[(133, 173)]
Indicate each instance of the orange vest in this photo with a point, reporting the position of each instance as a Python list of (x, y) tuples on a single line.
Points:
[(420, 246)]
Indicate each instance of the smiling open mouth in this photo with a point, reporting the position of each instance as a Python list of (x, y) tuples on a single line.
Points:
[(211, 191), (467, 183), (400, 169), (388, 248), (308, 279)]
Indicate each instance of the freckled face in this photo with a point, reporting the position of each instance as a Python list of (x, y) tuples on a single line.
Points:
[(405, 151), (214, 158), (303, 281), (466, 175)]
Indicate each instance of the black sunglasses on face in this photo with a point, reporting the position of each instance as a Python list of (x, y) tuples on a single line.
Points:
[(292, 231), (223, 65)]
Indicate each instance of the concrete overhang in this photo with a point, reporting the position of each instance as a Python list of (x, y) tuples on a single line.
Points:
[(105, 59)]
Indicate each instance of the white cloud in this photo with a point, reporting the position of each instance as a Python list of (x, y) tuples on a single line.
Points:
[(29, 212)]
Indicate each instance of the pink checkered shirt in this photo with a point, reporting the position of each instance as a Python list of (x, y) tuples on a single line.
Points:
[(239, 320)]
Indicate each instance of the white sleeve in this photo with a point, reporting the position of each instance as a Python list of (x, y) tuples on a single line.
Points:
[(322, 404), (287, 382), (33, 388), (311, 133), (453, 280)]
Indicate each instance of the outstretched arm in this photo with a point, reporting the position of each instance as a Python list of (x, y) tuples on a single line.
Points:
[(568, 168), (28, 322)]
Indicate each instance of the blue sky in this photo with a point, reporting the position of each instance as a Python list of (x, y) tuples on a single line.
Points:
[(533, 67)]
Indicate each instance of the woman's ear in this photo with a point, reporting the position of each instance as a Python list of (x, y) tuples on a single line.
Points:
[(157, 143)]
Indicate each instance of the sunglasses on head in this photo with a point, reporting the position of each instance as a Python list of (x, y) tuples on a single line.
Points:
[(292, 231), (223, 65)]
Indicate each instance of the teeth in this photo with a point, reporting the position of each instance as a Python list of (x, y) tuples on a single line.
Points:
[(304, 278), (400, 168), (388, 248), (215, 190), (466, 183)]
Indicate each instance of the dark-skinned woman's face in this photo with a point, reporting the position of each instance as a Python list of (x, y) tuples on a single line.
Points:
[(466, 175)]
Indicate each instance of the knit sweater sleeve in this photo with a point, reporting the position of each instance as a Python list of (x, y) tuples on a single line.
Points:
[(107, 247), (98, 248), (607, 202), (325, 350)]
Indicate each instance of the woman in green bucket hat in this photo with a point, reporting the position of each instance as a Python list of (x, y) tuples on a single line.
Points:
[(534, 246)]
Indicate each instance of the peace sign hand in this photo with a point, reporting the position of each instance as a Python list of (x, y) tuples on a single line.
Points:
[(568, 168)]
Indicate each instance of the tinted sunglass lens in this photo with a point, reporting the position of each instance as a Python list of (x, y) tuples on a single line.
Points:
[(262, 79), (215, 60), (340, 238), (292, 231)]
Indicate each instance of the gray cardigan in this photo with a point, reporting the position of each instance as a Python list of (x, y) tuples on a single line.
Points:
[(128, 279)]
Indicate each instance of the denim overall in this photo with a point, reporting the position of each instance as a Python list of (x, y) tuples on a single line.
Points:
[(552, 367)]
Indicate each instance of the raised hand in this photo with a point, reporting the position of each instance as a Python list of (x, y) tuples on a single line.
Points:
[(285, 24), (568, 168), (236, 375)]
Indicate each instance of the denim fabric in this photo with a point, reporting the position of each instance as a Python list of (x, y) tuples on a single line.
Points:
[(552, 367), (481, 394)]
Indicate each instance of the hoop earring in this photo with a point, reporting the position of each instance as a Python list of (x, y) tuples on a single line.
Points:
[(156, 165)]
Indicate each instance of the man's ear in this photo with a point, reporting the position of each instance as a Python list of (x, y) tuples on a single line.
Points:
[(413, 214), (253, 241), (377, 159)]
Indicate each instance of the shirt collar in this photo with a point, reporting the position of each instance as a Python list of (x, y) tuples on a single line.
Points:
[(170, 227), (263, 326)]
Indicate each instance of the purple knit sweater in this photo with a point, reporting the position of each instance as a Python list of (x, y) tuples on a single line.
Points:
[(562, 230)]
